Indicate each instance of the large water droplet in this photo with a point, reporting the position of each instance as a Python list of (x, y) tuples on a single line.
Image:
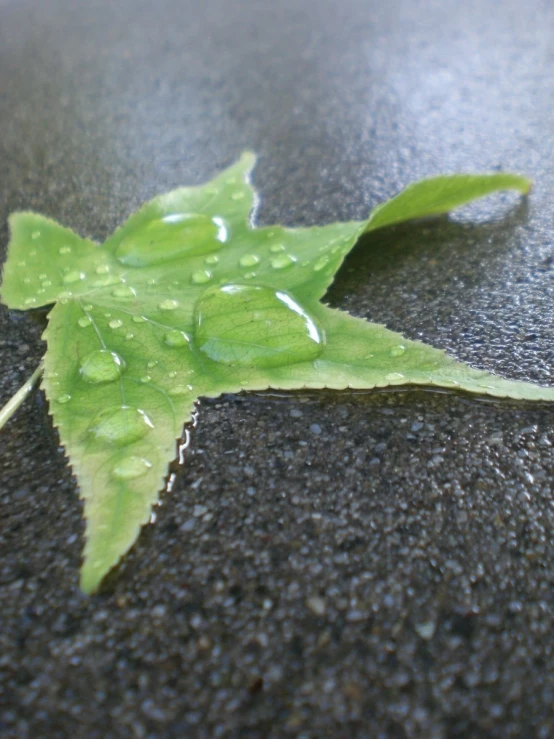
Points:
[(73, 276), (176, 338), (101, 366), (121, 425), (131, 467), (398, 350), (249, 326), (84, 321), (201, 277), (249, 260), (395, 377), (282, 261), (172, 237), (124, 291), (115, 323), (168, 304)]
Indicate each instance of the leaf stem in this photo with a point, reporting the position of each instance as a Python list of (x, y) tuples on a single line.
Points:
[(19, 398)]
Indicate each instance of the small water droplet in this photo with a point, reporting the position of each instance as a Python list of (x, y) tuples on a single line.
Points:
[(152, 363), (321, 263), (276, 248), (129, 336), (139, 319), (88, 308), (131, 467), (46, 283), (35, 235), (256, 326), (64, 250), (172, 237), (172, 374), (180, 390), (33, 253), (201, 277), (22, 264), (101, 366), (168, 304), (282, 261), (398, 350), (115, 323), (124, 291), (84, 321), (30, 301), (102, 269), (239, 195), (73, 276), (249, 275), (26, 280), (394, 377), (121, 425), (145, 378), (249, 260), (65, 398), (212, 259), (176, 338), (43, 276)]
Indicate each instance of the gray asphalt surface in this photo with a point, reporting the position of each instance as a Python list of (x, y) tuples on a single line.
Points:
[(327, 565)]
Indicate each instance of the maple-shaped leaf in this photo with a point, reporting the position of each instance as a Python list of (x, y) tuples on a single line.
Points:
[(189, 299)]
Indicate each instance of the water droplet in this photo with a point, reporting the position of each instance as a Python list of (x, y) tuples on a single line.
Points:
[(239, 195), (145, 378), (124, 291), (176, 338), (249, 260), (102, 269), (168, 304), (22, 264), (255, 326), (30, 301), (201, 277), (84, 321), (64, 250), (129, 336), (35, 235), (282, 261), (212, 259), (152, 363), (73, 276), (321, 263), (172, 374), (172, 237), (276, 248), (139, 319), (180, 390), (42, 276), (65, 398), (101, 366), (398, 351), (121, 425), (26, 280), (46, 283), (394, 377), (249, 275), (131, 467), (115, 323)]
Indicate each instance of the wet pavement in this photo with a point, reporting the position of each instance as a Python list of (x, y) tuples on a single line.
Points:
[(327, 564)]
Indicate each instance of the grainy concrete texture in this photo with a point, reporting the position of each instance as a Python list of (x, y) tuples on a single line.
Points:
[(327, 565)]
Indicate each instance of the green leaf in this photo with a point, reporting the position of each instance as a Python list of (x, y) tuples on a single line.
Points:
[(186, 300)]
